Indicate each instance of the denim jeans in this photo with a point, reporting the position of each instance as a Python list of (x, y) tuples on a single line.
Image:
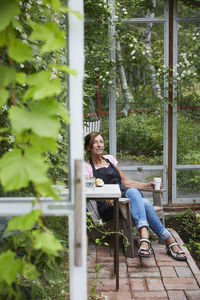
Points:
[(144, 214)]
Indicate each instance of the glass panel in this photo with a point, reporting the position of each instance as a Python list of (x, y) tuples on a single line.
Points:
[(188, 121), (139, 9), (188, 183), (188, 9), (140, 106), (143, 176)]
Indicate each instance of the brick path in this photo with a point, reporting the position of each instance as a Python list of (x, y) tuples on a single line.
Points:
[(159, 277)]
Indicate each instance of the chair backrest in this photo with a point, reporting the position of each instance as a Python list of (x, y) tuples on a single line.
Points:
[(91, 125)]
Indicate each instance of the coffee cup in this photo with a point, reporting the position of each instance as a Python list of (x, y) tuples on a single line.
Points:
[(157, 181)]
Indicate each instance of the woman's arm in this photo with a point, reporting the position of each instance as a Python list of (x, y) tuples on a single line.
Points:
[(132, 183)]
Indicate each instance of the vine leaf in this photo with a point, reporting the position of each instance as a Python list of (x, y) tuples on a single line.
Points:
[(40, 123), (16, 170), (8, 9), (20, 51), (4, 94), (50, 107), (9, 267), (21, 78), (42, 86), (55, 4), (50, 33), (47, 242), (24, 222), (7, 75)]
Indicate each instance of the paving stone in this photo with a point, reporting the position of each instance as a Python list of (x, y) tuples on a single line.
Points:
[(155, 284), (193, 265), (144, 272), (106, 295), (149, 295), (176, 295), (198, 279), (107, 270), (91, 263), (133, 261), (110, 284), (174, 263), (103, 251), (168, 272), (148, 262), (138, 284), (180, 283), (183, 272), (192, 295), (104, 259), (123, 295)]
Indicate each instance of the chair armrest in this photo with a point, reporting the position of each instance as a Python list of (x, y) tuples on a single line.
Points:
[(157, 195), (152, 190)]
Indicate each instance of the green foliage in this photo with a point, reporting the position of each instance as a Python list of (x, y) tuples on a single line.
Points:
[(35, 273), (33, 115), (188, 227)]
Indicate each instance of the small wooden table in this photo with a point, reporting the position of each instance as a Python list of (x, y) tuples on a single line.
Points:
[(112, 192)]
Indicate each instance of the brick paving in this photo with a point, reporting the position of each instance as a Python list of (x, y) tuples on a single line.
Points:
[(159, 277)]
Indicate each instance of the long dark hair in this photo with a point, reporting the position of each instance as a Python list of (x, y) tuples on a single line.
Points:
[(89, 140)]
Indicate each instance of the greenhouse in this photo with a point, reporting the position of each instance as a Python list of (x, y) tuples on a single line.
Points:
[(129, 69)]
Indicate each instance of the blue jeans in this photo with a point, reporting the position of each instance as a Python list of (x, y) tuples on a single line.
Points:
[(144, 214)]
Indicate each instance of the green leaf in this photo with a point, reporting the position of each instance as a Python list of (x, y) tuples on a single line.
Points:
[(12, 171), (50, 107), (64, 68), (17, 25), (42, 124), (3, 38), (43, 144), (47, 242), (42, 86), (9, 266), (20, 51), (7, 75), (4, 94), (29, 270), (21, 78), (35, 166), (8, 9), (16, 170), (55, 4), (74, 12), (46, 190), (50, 33), (24, 222)]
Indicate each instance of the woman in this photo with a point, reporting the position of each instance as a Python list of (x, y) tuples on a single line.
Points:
[(106, 167)]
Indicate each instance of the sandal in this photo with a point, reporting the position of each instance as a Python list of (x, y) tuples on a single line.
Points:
[(141, 249), (173, 254)]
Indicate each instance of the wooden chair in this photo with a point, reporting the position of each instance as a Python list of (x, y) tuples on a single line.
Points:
[(91, 125), (126, 220)]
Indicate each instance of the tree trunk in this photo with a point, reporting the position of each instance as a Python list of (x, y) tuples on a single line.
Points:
[(155, 86), (127, 95)]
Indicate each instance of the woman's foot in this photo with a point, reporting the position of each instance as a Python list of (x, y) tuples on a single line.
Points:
[(144, 248), (175, 252)]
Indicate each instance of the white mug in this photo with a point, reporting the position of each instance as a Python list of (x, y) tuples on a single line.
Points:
[(157, 181)]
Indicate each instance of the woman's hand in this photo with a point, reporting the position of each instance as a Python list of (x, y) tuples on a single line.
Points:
[(110, 202), (150, 185)]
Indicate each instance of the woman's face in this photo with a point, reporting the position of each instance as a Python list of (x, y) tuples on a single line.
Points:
[(97, 146)]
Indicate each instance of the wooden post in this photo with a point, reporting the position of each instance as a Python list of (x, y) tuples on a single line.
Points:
[(170, 107), (78, 213)]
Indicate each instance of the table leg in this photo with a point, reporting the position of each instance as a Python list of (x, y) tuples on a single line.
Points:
[(116, 244)]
